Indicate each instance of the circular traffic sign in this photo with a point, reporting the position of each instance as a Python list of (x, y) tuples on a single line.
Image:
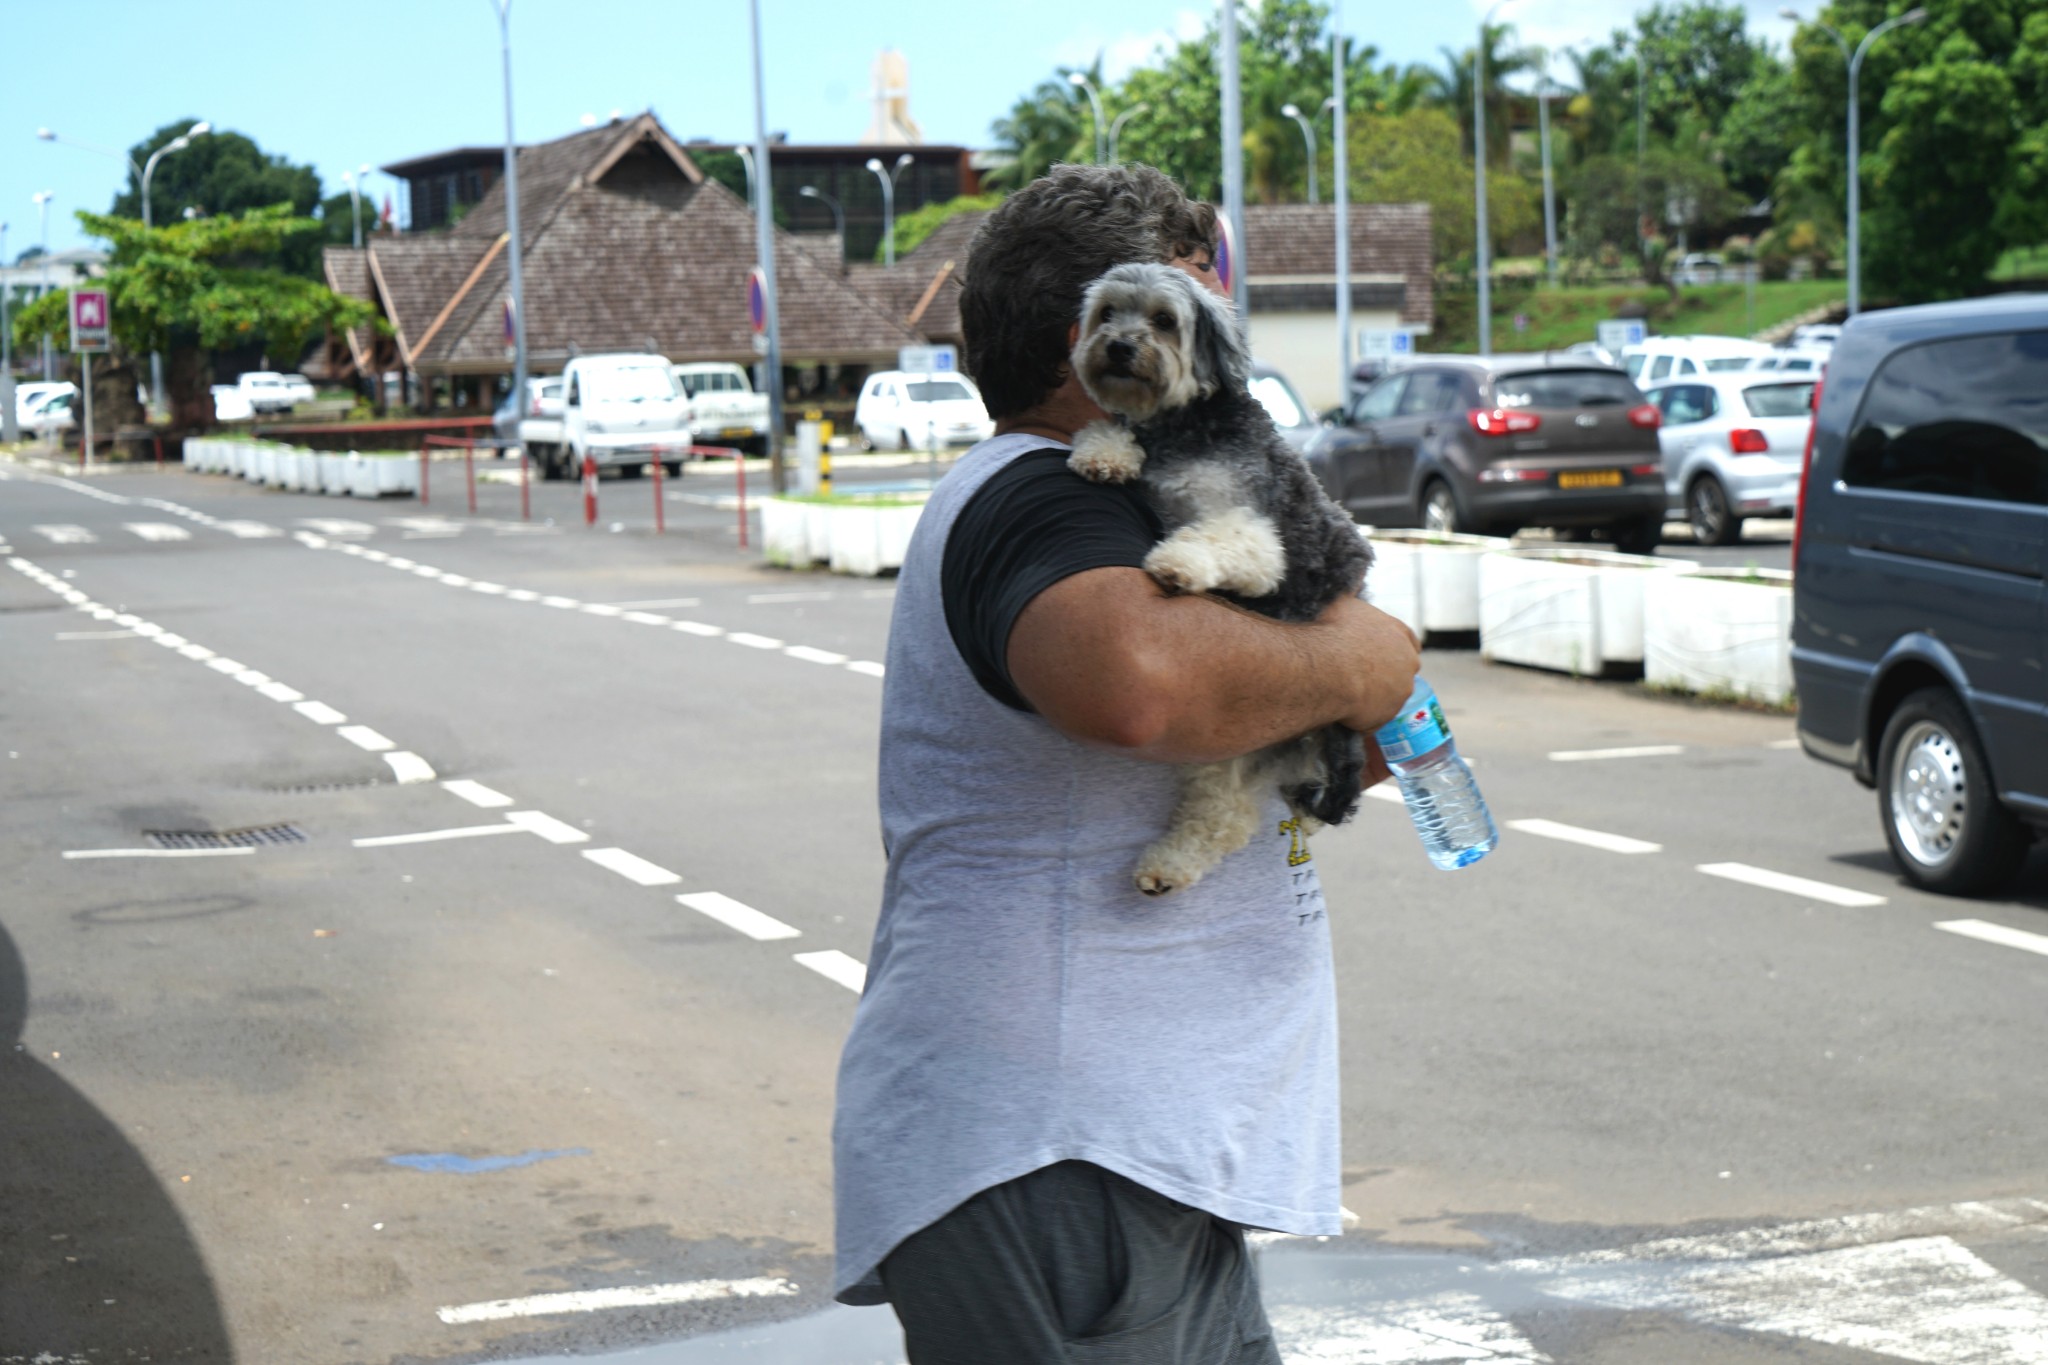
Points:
[(757, 299)]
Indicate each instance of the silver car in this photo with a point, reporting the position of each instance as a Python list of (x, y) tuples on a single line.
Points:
[(1732, 447)]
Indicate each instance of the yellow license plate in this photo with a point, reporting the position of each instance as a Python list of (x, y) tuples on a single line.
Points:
[(1591, 478), (737, 431)]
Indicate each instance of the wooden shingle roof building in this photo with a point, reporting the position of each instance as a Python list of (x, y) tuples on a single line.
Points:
[(626, 246)]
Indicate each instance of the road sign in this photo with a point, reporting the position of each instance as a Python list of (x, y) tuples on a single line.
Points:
[(1226, 254), (757, 303), (1617, 333), (927, 359), (1397, 344), (89, 319)]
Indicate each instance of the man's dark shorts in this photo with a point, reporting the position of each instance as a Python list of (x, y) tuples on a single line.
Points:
[(1075, 1264)]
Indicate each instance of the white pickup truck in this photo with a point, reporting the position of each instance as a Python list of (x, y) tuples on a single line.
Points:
[(724, 409), (623, 410)]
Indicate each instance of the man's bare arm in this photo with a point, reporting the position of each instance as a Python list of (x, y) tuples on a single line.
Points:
[(1107, 657)]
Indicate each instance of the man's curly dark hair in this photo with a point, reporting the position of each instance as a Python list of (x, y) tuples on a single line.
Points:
[(1036, 254)]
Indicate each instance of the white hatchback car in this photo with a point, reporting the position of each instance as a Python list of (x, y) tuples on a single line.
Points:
[(899, 410), (1662, 358), (1733, 445)]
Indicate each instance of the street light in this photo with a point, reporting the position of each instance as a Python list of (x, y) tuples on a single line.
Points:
[(888, 178), (1549, 191), (512, 260), (1340, 168), (1095, 102), (1116, 125), (838, 217), (1855, 59), (1308, 133), (1479, 181), (143, 175), (9, 431), (746, 155), (42, 201), (355, 201)]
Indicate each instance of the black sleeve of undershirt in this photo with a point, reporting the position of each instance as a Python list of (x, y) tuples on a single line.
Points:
[(1031, 525)]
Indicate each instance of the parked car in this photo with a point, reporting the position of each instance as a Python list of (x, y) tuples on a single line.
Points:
[(1918, 629), (1662, 358), (1734, 445), (28, 397), (724, 409), (544, 399), (265, 391), (1284, 405), (54, 414), (230, 404), (1496, 443), (1817, 335), (622, 410), (1792, 360), (899, 410), (299, 388), (1698, 267)]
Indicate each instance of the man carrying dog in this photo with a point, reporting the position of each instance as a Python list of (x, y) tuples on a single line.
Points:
[(1062, 1103)]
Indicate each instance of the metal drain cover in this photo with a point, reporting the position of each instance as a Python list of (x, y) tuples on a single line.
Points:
[(256, 836)]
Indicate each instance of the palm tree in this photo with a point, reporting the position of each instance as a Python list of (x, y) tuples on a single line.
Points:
[(1453, 88), (1044, 127)]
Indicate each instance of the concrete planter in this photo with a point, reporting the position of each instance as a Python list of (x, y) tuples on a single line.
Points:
[(1566, 607), (1720, 630), (785, 534), (333, 473), (376, 476), (1445, 569), (865, 541)]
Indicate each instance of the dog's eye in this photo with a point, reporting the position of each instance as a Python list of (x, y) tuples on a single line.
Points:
[(1163, 321), (1107, 314)]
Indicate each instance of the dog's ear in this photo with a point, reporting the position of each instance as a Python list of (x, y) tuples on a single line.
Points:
[(1220, 358)]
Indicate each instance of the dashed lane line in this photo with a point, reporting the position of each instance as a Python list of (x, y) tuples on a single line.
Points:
[(476, 793), (435, 836), (837, 967), (1628, 751), (548, 827), (753, 641), (157, 530), (1790, 885), (319, 712), (1590, 838), (660, 602), (77, 853), (65, 534), (626, 1296), (631, 866), (1986, 932), (814, 656), (743, 918), (363, 737), (409, 768)]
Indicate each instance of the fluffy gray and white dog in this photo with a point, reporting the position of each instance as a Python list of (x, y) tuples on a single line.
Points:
[(1245, 519)]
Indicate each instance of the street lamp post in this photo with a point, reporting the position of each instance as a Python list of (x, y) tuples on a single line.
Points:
[(1485, 250), (1095, 103), (1642, 237), (1340, 167), (1308, 133), (1549, 189), (1233, 150), (10, 430), (42, 200), (353, 179), (1116, 125), (888, 178), (838, 218), (1855, 60), (764, 249), (746, 155), (512, 258)]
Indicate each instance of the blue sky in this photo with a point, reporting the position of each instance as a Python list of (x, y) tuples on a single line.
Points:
[(378, 81)]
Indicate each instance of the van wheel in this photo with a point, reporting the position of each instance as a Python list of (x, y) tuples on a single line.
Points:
[(866, 441), (1713, 520), (631, 470), (1941, 816), (1440, 509), (552, 465), (903, 440)]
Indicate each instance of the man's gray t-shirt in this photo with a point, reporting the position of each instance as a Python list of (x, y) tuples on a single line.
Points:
[(1025, 1004)]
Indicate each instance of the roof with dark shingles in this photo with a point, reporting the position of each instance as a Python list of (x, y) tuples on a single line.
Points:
[(901, 289), (1388, 240)]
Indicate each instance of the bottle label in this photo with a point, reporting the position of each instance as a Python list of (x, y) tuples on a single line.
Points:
[(1419, 728)]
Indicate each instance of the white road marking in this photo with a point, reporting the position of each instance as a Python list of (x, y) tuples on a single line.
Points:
[(434, 836), (523, 595), (644, 618), (128, 619), (733, 915), (97, 634), (1449, 1328), (154, 852), (1793, 886), (1782, 744), (1986, 932), (631, 866), (170, 641), (626, 1296), (1591, 838), (836, 966), (197, 653), (476, 793), (363, 737), (753, 641), (489, 589), (1632, 751), (248, 530), (814, 656), (319, 712), (600, 609), (427, 525), (221, 663), (249, 677), (278, 691), (309, 540), (547, 827), (157, 530), (65, 534), (563, 602), (409, 767), (148, 630), (338, 527), (660, 602), (456, 580), (755, 599), (697, 628), (425, 571)]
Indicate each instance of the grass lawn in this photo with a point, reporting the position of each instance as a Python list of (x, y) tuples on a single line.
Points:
[(1559, 317), (2022, 263)]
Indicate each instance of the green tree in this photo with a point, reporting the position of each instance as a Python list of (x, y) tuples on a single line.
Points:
[(1043, 128), (1453, 89), (1402, 159), (1679, 192), (190, 286), (1762, 129), (913, 227), (225, 173)]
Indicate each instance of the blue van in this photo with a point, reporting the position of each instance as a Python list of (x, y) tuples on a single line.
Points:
[(1919, 623)]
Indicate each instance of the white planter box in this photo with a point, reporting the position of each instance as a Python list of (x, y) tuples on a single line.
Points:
[(1447, 570), (1394, 583), (1708, 631), (1567, 608), (362, 478), (785, 533), (390, 474), (249, 462), (867, 540), (195, 453), (333, 473)]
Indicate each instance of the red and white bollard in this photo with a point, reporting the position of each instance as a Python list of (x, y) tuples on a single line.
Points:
[(655, 468), (590, 490)]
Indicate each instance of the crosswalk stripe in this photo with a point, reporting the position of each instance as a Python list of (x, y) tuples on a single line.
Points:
[(1790, 885), (157, 530), (65, 534)]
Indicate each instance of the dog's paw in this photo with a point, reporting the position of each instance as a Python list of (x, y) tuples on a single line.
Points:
[(1106, 453), (1164, 870), (1183, 563)]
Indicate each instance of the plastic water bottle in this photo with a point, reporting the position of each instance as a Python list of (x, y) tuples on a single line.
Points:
[(1443, 800)]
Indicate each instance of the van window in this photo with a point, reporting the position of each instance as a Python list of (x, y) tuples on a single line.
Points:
[(1685, 366), (630, 383), (1661, 368), (1964, 418), (1562, 388), (1727, 363), (1779, 400), (939, 391), (1634, 365)]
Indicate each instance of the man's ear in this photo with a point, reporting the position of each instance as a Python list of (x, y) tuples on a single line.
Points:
[(1073, 333), (1220, 359)]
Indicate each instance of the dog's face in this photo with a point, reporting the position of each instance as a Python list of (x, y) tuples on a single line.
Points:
[(1152, 339)]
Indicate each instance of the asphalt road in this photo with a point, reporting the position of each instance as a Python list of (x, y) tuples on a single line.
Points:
[(539, 990)]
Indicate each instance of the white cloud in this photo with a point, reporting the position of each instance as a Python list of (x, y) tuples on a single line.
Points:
[(1561, 24), (1124, 52)]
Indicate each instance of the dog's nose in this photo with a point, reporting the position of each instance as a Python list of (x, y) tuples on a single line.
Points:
[(1122, 352)]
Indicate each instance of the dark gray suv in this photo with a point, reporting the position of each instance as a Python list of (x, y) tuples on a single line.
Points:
[(1918, 614), (1495, 443)]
